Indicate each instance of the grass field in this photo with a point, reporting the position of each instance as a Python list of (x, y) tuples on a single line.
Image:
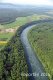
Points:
[(41, 40)]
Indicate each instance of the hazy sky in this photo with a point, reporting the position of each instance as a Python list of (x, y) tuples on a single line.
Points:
[(33, 2)]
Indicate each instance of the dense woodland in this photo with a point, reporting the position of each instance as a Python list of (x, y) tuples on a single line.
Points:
[(12, 60)]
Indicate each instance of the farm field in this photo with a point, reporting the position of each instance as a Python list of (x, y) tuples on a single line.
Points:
[(41, 39)]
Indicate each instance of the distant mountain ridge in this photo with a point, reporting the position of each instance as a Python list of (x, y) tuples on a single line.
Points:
[(7, 5), (10, 5)]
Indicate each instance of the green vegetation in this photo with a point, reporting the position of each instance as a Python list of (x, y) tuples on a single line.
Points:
[(12, 61), (12, 58), (41, 40), (22, 20), (5, 36), (16, 24)]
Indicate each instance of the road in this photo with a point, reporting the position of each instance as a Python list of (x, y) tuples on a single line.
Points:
[(36, 69)]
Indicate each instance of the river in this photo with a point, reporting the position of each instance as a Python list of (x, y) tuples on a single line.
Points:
[(36, 69)]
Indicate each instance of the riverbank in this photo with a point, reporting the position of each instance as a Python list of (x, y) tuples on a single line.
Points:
[(41, 40)]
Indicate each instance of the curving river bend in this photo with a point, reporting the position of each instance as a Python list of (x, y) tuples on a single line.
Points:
[(35, 66)]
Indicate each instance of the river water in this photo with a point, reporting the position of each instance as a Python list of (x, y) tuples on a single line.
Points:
[(35, 67)]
